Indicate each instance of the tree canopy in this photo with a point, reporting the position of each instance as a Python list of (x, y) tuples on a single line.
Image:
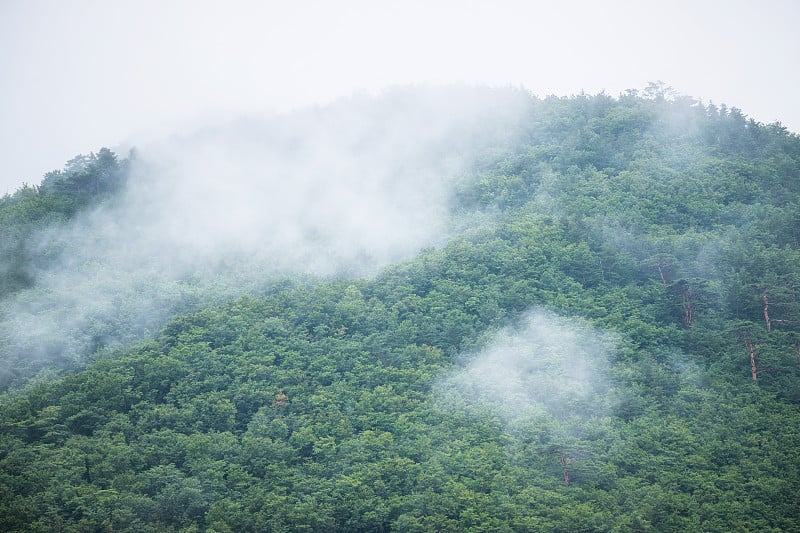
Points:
[(610, 343)]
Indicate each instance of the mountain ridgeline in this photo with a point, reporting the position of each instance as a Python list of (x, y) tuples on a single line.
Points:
[(84, 182), (434, 310)]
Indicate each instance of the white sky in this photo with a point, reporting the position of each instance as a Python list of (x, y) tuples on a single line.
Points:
[(81, 74)]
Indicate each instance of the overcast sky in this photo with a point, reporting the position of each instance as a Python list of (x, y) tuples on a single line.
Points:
[(78, 75)]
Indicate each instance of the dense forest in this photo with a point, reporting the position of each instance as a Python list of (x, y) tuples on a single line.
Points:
[(607, 340)]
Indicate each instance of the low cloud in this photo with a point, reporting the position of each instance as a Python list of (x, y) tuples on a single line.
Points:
[(338, 190), (546, 368)]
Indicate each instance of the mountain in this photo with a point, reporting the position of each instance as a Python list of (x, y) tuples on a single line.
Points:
[(435, 310)]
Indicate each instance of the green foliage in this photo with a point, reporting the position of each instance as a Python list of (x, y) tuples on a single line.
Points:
[(84, 182), (315, 407)]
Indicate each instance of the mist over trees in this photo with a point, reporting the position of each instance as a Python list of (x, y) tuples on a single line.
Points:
[(435, 310), (227, 210)]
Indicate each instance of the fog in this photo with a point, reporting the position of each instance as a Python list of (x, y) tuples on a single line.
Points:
[(349, 186), (225, 210), (546, 368), (84, 73)]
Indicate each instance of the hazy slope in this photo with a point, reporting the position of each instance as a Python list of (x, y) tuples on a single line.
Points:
[(604, 338), (226, 210)]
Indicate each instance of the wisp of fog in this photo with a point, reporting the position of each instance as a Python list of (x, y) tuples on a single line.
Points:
[(218, 212), (547, 367)]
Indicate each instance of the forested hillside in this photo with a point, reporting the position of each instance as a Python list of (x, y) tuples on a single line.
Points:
[(84, 182), (607, 340)]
